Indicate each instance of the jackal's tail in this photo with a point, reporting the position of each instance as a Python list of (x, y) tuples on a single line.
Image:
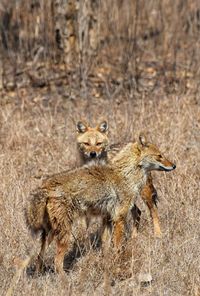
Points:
[(35, 212)]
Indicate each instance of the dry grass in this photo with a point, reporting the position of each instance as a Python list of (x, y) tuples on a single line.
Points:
[(143, 76), (38, 138)]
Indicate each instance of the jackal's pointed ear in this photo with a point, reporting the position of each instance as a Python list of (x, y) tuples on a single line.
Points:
[(81, 127), (142, 140), (103, 127)]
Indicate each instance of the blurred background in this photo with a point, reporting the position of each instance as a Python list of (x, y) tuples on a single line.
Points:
[(101, 46)]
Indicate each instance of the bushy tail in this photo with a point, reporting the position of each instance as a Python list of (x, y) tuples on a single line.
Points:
[(35, 212)]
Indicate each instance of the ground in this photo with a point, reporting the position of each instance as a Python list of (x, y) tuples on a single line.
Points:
[(38, 138)]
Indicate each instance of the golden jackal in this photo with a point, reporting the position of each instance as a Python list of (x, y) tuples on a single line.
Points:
[(149, 196), (106, 190), (93, 145), (92, 142)]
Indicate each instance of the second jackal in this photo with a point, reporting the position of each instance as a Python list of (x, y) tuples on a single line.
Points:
[(92, 142)]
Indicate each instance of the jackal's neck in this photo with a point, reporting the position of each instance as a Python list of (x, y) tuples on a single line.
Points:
[(127, 161)]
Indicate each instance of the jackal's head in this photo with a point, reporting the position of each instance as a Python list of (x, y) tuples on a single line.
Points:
[(151, 158), (92, 142)]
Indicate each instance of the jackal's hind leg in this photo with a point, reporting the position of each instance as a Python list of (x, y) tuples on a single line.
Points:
[(46, 239), (59, 259), (61, 249)]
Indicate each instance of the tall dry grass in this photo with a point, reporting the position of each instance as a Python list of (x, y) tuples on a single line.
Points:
[(142, 76), (39, 139)]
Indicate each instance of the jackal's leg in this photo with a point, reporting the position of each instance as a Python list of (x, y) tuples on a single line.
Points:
[(118, 232), (154, 215), (149, 195), (46, 239), (84, 223), (61, 250), (105, 232), (136, 213)]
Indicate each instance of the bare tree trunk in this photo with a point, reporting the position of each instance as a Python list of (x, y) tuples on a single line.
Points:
[(66, 29), (88, 39)]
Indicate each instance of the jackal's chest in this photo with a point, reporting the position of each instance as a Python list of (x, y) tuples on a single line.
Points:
[(137, 182)]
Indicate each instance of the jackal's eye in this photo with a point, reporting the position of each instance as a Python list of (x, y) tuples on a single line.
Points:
[(86, 144), (99, 144)]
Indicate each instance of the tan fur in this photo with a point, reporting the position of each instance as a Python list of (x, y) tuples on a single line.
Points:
[(87, 139), (96, 140), (148, 195), (108, 191), (92, 142)]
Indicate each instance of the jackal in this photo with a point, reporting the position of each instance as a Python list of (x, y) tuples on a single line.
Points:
[(92, 142), (107, 190), (93, 146), (148, 195)]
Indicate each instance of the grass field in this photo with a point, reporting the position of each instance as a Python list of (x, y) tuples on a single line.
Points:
[(135, 64), (38, 138)]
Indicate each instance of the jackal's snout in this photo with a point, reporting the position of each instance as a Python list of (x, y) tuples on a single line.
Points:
[(93, 154), (168, 168), (165, 164)]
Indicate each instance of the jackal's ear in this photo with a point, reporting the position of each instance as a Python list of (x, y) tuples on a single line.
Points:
[(81, 127), (143, 140), (103, 127)]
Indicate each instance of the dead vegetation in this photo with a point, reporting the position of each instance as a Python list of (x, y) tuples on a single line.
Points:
[(141, 74)]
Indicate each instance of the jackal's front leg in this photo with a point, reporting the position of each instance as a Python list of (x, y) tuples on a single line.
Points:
[(149, 195), (136, 213), (119, 232), (122, 211), (105, 233)]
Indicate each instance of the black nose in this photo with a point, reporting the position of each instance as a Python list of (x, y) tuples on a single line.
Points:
[(93, 154), (174, 166)]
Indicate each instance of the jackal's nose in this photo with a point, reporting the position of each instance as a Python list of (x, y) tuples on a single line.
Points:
[(174, 166), (93, 154)]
